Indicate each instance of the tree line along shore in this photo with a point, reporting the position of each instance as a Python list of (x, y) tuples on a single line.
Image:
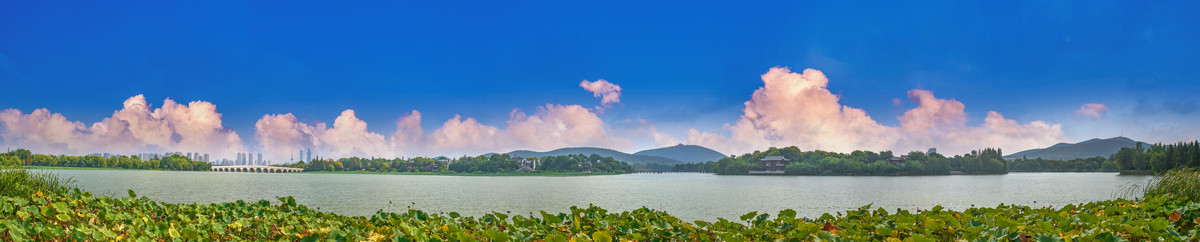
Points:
[(1148, 159)]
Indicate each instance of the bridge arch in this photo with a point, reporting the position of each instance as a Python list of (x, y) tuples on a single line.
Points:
[(256, 169)]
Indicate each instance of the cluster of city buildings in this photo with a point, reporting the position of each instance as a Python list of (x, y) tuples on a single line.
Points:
[(302, 155), (247, 159), (196, 156)]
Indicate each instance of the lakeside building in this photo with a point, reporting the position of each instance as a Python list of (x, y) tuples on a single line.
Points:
[(898, 161), (771, 165), (528, 162), (586, 166)]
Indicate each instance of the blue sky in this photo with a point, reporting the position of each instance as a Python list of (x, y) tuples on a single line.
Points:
[(681, 65)]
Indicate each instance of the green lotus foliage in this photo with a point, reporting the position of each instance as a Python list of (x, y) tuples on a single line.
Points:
[(82, 216), (62, 215)]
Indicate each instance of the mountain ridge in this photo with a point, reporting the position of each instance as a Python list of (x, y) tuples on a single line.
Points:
[(1084, 149), (684, 153)]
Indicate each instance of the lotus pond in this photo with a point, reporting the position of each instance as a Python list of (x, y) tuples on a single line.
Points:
[(82, 216), (47, 211)]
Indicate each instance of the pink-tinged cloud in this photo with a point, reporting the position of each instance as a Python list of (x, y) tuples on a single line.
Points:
[(409, 133), (555, 125), (942, 123), (551, 127), (136, 128), (282, 135), (797, 109), (1094, 110), (607, 92), (465, 135)]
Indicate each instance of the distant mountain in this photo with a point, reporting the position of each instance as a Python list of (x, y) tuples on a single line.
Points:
[(616, 155), (684, 153), (1087, 149)]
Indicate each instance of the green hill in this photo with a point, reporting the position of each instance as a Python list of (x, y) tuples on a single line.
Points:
[(1086, 149), (684, 153)]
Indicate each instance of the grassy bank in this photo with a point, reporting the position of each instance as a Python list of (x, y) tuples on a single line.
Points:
[(57, 214)]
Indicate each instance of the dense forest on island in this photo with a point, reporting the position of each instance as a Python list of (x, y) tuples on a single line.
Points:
[(1094, 164), (23, 157), (1140, 159), (495, 163), (817, 162), (1158, 158)]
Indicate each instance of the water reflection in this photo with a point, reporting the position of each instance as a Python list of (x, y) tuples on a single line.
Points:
[(688, 196)]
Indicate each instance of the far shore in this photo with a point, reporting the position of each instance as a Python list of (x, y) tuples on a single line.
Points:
[(557, 174), (465, 174), (356, 172)]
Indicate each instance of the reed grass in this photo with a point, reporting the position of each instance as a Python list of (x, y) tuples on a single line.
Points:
[(23, 183), (1180, 183)]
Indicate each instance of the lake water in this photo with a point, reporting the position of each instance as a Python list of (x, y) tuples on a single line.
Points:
[(689, 196)]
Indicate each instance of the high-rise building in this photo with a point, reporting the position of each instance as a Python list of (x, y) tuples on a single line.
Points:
[(206, 158), (309, 155), (260, 158)]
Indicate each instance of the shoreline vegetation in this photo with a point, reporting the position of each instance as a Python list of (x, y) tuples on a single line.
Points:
[(493, 165), (792, 161), (489, 164), (468, 174), (40, 206), (358, 172), (1136, 160)]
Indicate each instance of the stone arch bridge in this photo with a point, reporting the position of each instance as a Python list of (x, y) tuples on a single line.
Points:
[(259, 169)]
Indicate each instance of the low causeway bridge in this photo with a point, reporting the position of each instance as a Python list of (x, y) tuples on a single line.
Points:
[(260, 169)]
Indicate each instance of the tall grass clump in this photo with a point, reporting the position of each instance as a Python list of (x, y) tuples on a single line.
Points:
[(23, 183), (1183, 183)]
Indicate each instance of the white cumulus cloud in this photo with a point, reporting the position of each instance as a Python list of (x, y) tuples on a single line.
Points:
[(552, 126), (798, 109), (607, 92), (281, 135), (136, 128)]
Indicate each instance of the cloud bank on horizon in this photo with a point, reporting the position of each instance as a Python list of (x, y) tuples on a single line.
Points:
[(195, 127), (790, 109), (797, 109)]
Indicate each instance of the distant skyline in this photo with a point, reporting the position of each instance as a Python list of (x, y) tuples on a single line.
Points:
[(410, 79)]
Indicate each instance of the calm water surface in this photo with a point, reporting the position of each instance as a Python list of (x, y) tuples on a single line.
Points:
[(687, 196)]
